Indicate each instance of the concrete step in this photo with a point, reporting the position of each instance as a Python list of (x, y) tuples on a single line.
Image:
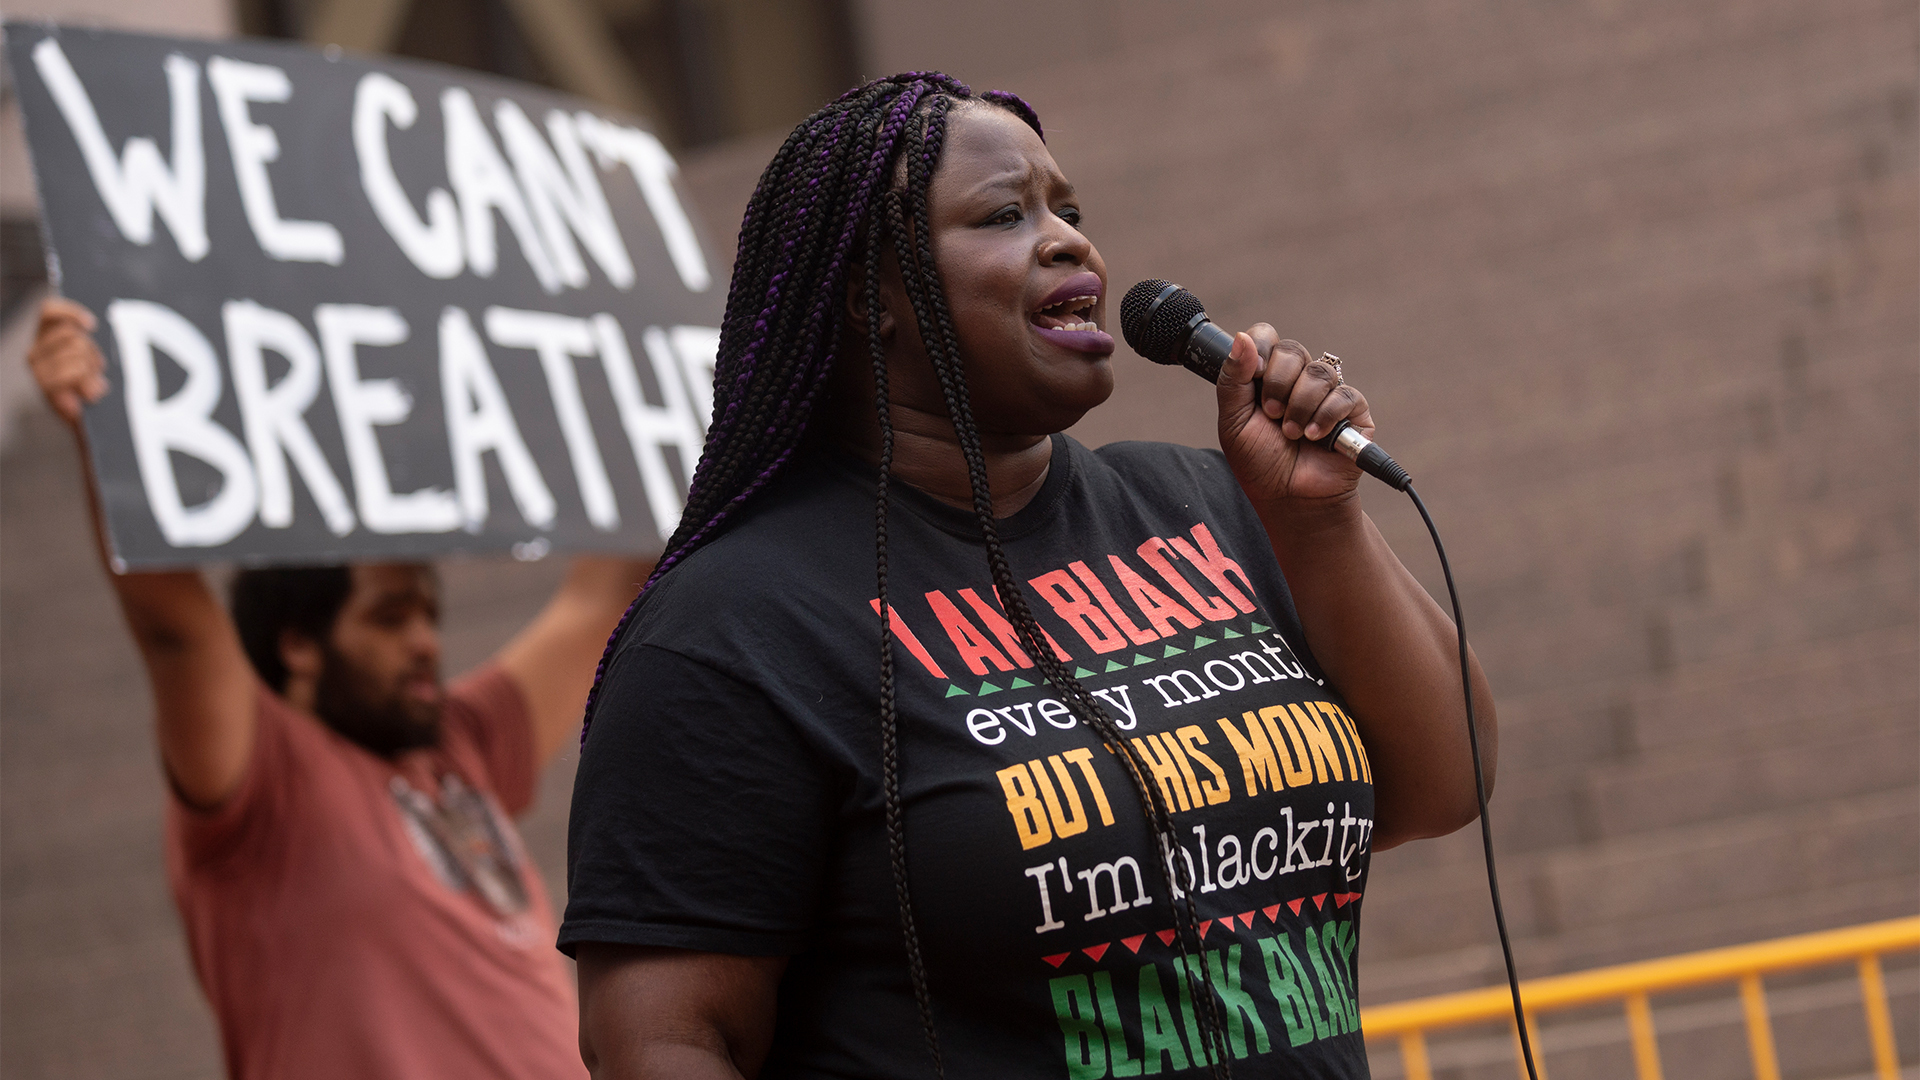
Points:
[(1869, 750), (1815, 847), (1539, 808), (1868, 668)]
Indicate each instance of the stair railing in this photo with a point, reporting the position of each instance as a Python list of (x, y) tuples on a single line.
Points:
[(1632, 984)]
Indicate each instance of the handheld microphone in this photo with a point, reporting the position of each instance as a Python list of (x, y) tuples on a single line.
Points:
[(1168, 325)]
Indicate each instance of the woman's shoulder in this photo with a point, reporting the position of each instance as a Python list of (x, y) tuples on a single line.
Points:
[(789, 556), (1158, 466), (1140, 454)]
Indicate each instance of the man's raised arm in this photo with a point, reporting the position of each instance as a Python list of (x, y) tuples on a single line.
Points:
[(554, 658), (203, 687)]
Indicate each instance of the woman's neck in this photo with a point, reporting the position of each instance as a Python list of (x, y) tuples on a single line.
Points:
[(927, 457)]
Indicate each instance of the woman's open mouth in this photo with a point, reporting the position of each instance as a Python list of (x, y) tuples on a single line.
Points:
[(1066, 317), (1073, 313)]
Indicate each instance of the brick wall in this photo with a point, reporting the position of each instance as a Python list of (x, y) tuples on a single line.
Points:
[(1632, 287)]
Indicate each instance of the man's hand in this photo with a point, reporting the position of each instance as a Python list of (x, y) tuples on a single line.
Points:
[(65, 361)]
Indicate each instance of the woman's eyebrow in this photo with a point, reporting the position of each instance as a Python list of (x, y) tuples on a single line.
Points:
[(1015, 177)]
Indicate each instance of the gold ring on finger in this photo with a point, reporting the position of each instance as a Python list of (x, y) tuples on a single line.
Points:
[(1332, 361)]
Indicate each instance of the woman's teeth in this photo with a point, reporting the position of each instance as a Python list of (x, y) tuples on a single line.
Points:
[(1077, 326)]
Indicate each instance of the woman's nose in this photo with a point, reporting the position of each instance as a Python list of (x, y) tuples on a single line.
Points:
[(1064, 243)]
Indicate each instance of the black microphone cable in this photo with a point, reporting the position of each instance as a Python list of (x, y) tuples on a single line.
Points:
[(1167, 325), (1364, 452), (1479, 784)]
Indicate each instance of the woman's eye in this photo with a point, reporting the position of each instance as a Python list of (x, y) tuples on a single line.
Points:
[(1070, 215), (1008, 216)]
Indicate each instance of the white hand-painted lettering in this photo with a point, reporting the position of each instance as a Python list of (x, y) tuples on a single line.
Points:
[(275, 418), (140, 182), (236, 86), (182, 423)]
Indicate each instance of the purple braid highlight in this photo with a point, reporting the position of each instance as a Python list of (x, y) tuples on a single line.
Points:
[(786, 252)]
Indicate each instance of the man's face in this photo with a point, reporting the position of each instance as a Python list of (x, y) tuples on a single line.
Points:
[(380, 675)]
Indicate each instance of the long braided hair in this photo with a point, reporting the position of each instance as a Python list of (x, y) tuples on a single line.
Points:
[(835, 195)]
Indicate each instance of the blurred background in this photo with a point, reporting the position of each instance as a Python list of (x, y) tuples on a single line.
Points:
[(1633, 286)]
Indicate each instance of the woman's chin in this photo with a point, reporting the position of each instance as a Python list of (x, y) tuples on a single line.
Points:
[(1073, 399)]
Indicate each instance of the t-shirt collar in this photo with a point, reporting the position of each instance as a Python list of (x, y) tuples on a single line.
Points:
[(962, 523)]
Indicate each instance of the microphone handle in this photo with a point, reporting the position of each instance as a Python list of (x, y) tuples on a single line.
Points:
[(1347, 441)]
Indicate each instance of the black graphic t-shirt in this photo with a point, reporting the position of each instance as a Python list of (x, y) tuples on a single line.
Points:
[(729, 796)]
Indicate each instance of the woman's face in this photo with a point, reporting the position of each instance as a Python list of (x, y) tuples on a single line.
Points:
[(1026, 288)]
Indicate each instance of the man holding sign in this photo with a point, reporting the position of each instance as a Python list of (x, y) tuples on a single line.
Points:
[(355, 895)]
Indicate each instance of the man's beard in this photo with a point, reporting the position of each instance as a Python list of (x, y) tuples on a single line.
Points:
[(382, 723)]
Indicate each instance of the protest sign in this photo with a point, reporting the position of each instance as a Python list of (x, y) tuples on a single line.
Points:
[(360, 309)]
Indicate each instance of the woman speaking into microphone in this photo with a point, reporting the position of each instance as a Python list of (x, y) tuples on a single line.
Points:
[(940, 745)]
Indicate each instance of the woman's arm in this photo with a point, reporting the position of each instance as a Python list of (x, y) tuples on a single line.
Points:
[(1382, 640), (671, 1014)]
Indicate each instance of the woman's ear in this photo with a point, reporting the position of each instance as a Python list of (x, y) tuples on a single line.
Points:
[(890, 296)]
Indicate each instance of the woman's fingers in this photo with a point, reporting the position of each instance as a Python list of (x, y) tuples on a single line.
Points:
[(1342, 403), (1317, 382), (1285, 364), (1306, 396)]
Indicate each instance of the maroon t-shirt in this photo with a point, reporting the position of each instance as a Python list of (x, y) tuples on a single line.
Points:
[(351, 916)]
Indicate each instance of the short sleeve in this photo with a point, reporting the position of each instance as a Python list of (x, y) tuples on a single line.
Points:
[(249, 816), (701, 819), (487, 708)]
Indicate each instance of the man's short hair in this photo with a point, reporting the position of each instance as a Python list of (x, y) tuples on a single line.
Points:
[(305, 599)]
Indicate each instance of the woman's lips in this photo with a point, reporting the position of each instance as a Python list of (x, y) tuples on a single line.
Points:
[(1074, 332), (1098, 342), (1085, 283)]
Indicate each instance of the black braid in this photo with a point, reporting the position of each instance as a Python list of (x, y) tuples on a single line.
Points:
[(928, 298), (830, 184), (889, 711)]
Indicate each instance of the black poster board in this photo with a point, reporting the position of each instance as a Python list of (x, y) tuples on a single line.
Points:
[(366, 310)]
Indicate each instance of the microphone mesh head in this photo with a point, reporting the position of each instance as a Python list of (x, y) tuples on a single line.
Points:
[(1157, 333)]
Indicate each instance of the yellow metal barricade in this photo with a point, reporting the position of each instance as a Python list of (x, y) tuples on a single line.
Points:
[(1630, 984)]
